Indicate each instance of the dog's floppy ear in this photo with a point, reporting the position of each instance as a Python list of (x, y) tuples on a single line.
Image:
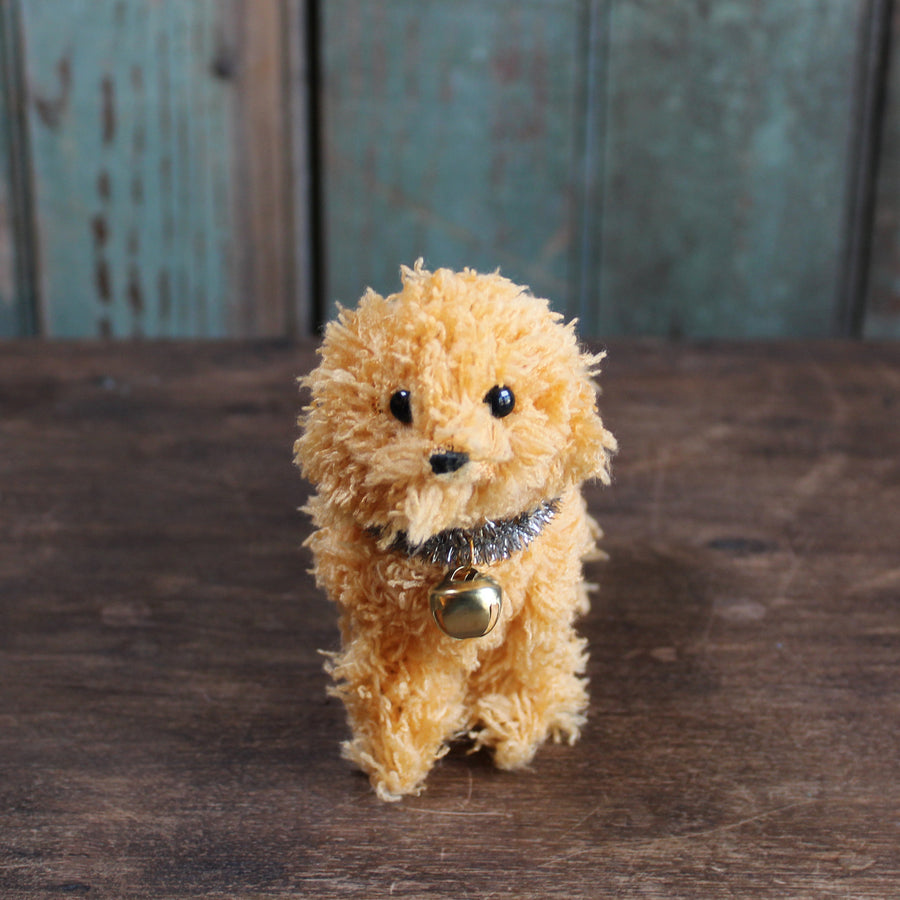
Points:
[(591, 446), (341, 393)]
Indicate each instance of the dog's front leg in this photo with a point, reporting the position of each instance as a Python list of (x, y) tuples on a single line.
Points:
[(532, 686), (403, 707), (544, 697)]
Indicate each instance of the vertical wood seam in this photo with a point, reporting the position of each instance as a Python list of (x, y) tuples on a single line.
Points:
[(315, 172), (592, 163), (24, 231), (870, 91), (292, 107)]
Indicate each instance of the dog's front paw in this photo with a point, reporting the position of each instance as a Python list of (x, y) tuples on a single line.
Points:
[(514, 726), (396, 774), (507, 725)]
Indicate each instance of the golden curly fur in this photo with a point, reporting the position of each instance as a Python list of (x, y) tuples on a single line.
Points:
[(447, 338)]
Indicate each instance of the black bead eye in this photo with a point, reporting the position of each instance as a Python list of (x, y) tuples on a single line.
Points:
[(400, 408), (501, 400)]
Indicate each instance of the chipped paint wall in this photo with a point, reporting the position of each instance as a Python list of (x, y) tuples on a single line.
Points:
[(679, 169)]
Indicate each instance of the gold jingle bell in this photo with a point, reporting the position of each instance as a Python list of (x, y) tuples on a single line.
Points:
[(466, 604)]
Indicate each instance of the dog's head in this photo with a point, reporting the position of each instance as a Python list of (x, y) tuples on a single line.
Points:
[(460, 399)]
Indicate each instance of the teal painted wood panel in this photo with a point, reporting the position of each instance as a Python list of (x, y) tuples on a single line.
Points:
[(882, 311), (725, 132), (160, 166), (653, 167), (448, 134)]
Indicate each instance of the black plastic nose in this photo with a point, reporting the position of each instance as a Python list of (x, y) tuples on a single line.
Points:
[(443, 463)]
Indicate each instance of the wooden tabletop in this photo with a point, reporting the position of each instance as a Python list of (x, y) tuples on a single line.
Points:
[(164, 729)]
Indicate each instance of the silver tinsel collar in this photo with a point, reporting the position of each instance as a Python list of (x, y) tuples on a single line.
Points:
[(488, 543)]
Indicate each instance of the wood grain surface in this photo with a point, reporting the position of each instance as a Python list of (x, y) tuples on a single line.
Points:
[(164, 729)]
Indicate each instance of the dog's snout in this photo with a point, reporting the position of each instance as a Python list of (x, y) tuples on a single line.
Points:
[(444, 463)]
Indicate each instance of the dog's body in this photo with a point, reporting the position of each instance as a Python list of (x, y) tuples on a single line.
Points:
[(458, 413)]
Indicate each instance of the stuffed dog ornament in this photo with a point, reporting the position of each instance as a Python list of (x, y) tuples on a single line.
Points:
[(449, 431)]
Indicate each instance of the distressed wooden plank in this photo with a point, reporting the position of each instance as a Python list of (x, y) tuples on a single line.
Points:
[(301, 30), (680, 207), (449, 135), (871, 70), (882, 312), (10, 302), (160, 166), (263, 172), (18, 307), (725, 138), (165, 731)]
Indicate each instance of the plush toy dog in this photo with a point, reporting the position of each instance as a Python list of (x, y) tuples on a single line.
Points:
[(450, 428)]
